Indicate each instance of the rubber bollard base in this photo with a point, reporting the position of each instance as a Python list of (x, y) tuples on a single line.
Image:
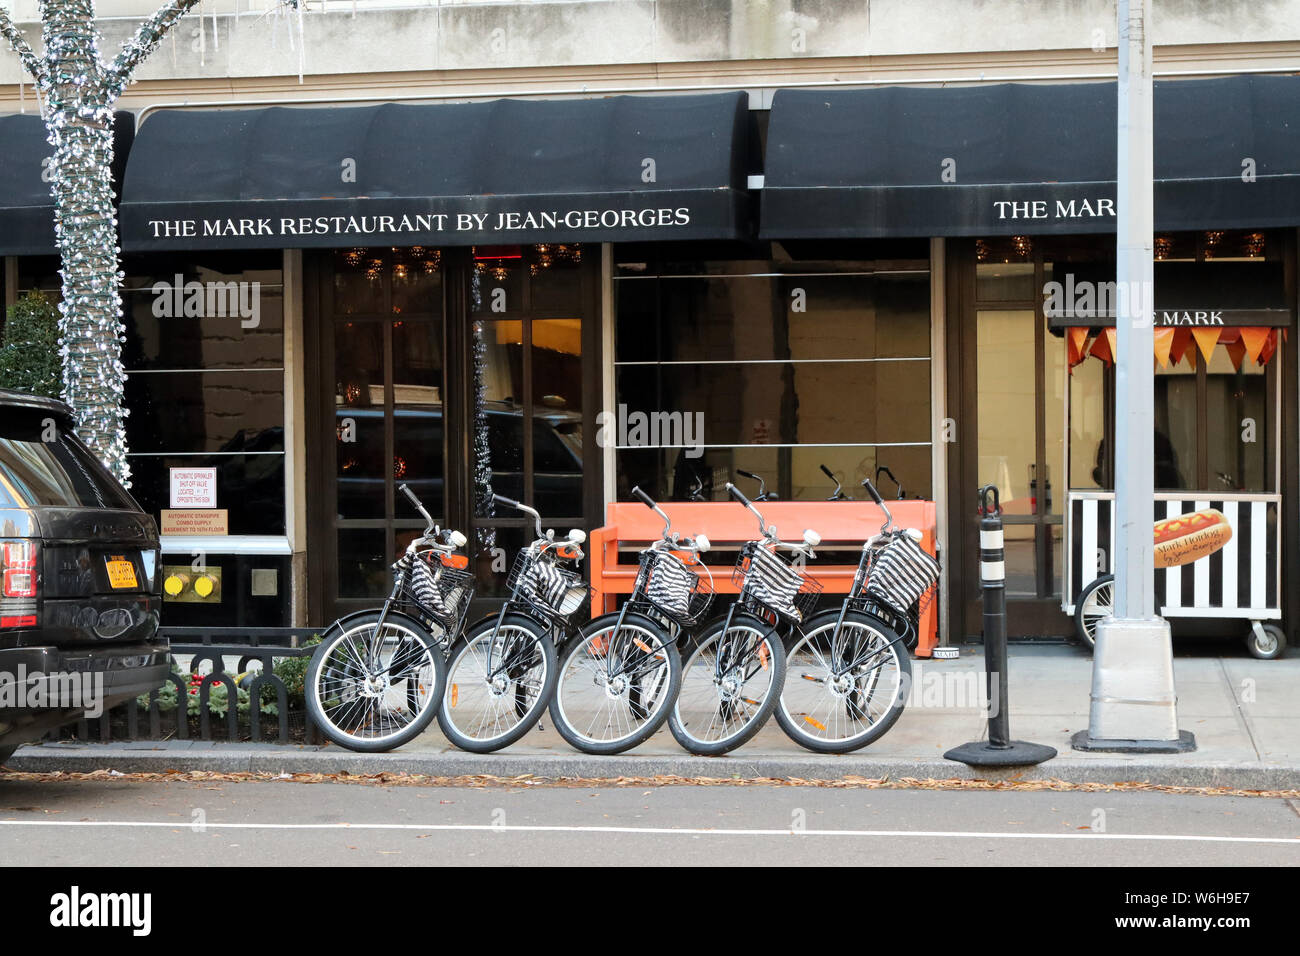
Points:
[(980, 753)]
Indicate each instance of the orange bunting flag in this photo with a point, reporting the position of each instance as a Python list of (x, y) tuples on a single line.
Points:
[(1182, 340), (1269, 348), (1206, 339), (1236, 352), (1164, 338), (1104, 347), (1254, 339), (1078, 339)]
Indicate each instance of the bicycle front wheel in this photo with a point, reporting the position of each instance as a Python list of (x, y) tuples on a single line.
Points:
[(499, 680), (371, 688), (844, 688), (616, 684), (730, 683)]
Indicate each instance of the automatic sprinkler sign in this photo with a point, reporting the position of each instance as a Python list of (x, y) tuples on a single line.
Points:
[(194, 504), (193, 487)]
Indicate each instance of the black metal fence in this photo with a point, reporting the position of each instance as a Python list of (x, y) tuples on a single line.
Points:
[(127, 721)]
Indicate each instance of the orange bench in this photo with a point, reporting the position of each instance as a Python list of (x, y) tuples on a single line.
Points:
[(843, 525)]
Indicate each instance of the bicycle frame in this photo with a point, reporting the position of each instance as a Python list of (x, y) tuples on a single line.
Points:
[(521, 603), (638, 601), (898, 624), (749, 605), (432, 539)]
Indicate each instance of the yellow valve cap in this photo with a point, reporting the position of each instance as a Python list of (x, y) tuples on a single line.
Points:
[(204, 586), (174, 585)]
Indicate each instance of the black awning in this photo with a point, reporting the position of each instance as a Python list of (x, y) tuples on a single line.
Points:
[(26, 207), (1026, 159), (613, 169)]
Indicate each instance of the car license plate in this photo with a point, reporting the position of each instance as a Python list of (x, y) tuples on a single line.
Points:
[(121, 574)]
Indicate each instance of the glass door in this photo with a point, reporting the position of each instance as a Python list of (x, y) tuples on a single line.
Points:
[(528, 407), (1012, 394), (382, 348)]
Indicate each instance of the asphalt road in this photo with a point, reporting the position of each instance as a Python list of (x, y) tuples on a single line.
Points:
[(153, 823)]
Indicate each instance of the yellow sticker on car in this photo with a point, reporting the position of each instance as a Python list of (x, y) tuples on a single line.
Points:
[(121, 574)]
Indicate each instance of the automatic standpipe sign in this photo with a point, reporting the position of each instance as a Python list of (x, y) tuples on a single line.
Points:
[(193, 487)]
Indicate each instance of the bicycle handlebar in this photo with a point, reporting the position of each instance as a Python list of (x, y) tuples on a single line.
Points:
[(520, 506), (838, 494), (650, 503), (419, 506), (875, 496)]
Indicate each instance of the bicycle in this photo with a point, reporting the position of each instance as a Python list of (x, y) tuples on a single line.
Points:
[(620, 676), (850, 668), (734, 671), (501, 673), (374, 681)]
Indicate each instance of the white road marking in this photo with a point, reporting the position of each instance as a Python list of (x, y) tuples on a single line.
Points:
[(653, 831)]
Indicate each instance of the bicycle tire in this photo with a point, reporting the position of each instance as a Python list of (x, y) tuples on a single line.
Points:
[(1090, 609), (841, 704), (696, 707), (503, 691), (572, 696), (330, 680)]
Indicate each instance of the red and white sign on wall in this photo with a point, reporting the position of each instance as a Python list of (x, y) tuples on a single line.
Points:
[(193, 487)]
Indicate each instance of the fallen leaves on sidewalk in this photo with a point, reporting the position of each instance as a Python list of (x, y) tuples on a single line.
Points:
[(524, 781)]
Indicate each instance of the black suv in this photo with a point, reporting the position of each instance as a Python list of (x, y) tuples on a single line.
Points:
[(79, 588)]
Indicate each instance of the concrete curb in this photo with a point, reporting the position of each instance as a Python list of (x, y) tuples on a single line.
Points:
[(275, 760)]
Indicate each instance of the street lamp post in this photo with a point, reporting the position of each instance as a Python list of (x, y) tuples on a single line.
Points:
[(1133, 699)]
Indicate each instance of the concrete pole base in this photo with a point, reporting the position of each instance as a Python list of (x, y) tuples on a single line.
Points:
[(1133, 698), (1185, 743)]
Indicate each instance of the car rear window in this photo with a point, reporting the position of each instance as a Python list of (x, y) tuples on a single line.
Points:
[(60, 473)]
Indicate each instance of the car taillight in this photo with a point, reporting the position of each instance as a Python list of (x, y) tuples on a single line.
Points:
[(18, 567)]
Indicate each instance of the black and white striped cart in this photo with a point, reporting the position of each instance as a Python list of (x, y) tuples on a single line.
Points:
[(1241, 582)]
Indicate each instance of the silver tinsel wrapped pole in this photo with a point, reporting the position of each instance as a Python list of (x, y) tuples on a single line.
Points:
[(77, 91)]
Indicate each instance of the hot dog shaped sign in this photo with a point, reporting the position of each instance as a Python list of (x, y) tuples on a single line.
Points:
[(1190, 537)]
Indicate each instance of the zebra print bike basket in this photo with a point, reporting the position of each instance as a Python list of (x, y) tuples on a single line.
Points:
[(765, 578), (902, 574), (439, 592), (557, 591), (673, 588)]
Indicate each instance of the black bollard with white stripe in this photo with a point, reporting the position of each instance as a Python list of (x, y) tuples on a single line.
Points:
[(999, 750)]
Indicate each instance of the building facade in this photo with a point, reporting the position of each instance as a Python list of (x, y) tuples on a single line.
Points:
[(556, 250)]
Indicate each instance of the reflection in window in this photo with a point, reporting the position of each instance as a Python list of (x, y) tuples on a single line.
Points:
[(204, 354), (787, 370), (1226, 405)]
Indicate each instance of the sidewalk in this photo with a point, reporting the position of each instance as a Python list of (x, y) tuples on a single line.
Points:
[(1244, 713)]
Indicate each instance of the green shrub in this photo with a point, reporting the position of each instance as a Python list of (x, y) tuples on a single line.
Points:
[(29, 357)]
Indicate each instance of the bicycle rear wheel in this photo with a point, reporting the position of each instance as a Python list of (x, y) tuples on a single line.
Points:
[(371, 689), (616, 684), (499, 680), (730, 683), (846, 689)]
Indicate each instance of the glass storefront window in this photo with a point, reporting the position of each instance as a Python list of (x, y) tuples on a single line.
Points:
[(204, 354), (1228, 411), (1088, 466), (1174, 442), (1007, 401), (1239, 425), (774, 367)]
